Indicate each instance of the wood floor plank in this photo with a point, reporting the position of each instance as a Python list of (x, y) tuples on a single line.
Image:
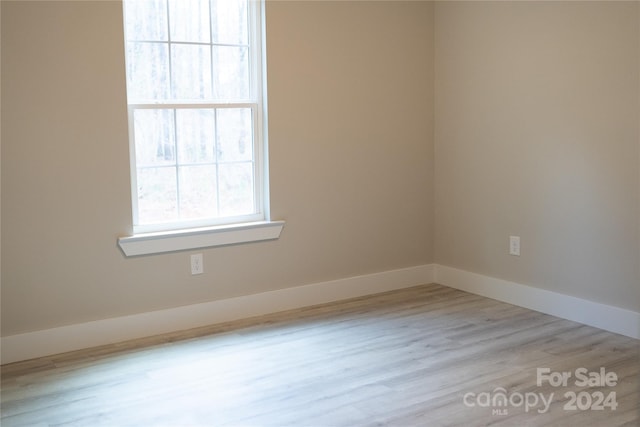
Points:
[(401, 358)]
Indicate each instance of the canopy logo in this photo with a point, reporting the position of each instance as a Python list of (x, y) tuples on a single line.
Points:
[(593, 399), (499, 400)]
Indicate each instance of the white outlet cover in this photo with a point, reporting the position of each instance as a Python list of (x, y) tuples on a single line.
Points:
[(514, 245), (197, 264)]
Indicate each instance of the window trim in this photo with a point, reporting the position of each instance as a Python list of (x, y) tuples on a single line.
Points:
[(195, 238)]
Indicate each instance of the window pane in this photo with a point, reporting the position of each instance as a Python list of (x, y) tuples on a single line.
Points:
[(193, 160), (154, 137), (191, 71), (236, 189), (146, 20), (231, 72), (235, 142), (198, 195), (196, 135), (229, 21), (189, 20), (147, 70), (157, 195)]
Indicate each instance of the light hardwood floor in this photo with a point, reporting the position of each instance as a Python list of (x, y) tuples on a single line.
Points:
[(402, 358)]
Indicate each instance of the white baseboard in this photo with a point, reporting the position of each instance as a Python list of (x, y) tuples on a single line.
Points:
[(91, 334), (609, 318)]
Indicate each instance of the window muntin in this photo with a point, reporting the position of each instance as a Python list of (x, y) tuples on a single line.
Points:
[(194, 86)]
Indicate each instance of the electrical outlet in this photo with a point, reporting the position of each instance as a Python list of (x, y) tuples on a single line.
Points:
[(197, 265), (514, 245)]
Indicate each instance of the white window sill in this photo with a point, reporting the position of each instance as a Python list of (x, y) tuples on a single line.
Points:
[(180, 240)]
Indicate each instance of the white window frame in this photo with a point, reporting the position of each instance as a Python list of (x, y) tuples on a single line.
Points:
[(184, 235)]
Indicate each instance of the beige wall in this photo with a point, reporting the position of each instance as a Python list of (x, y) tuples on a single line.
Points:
[(351, 144), (536, 134), (537, 112)]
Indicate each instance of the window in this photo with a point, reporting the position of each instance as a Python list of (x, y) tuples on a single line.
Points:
[(195, 98), (196, 103)]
